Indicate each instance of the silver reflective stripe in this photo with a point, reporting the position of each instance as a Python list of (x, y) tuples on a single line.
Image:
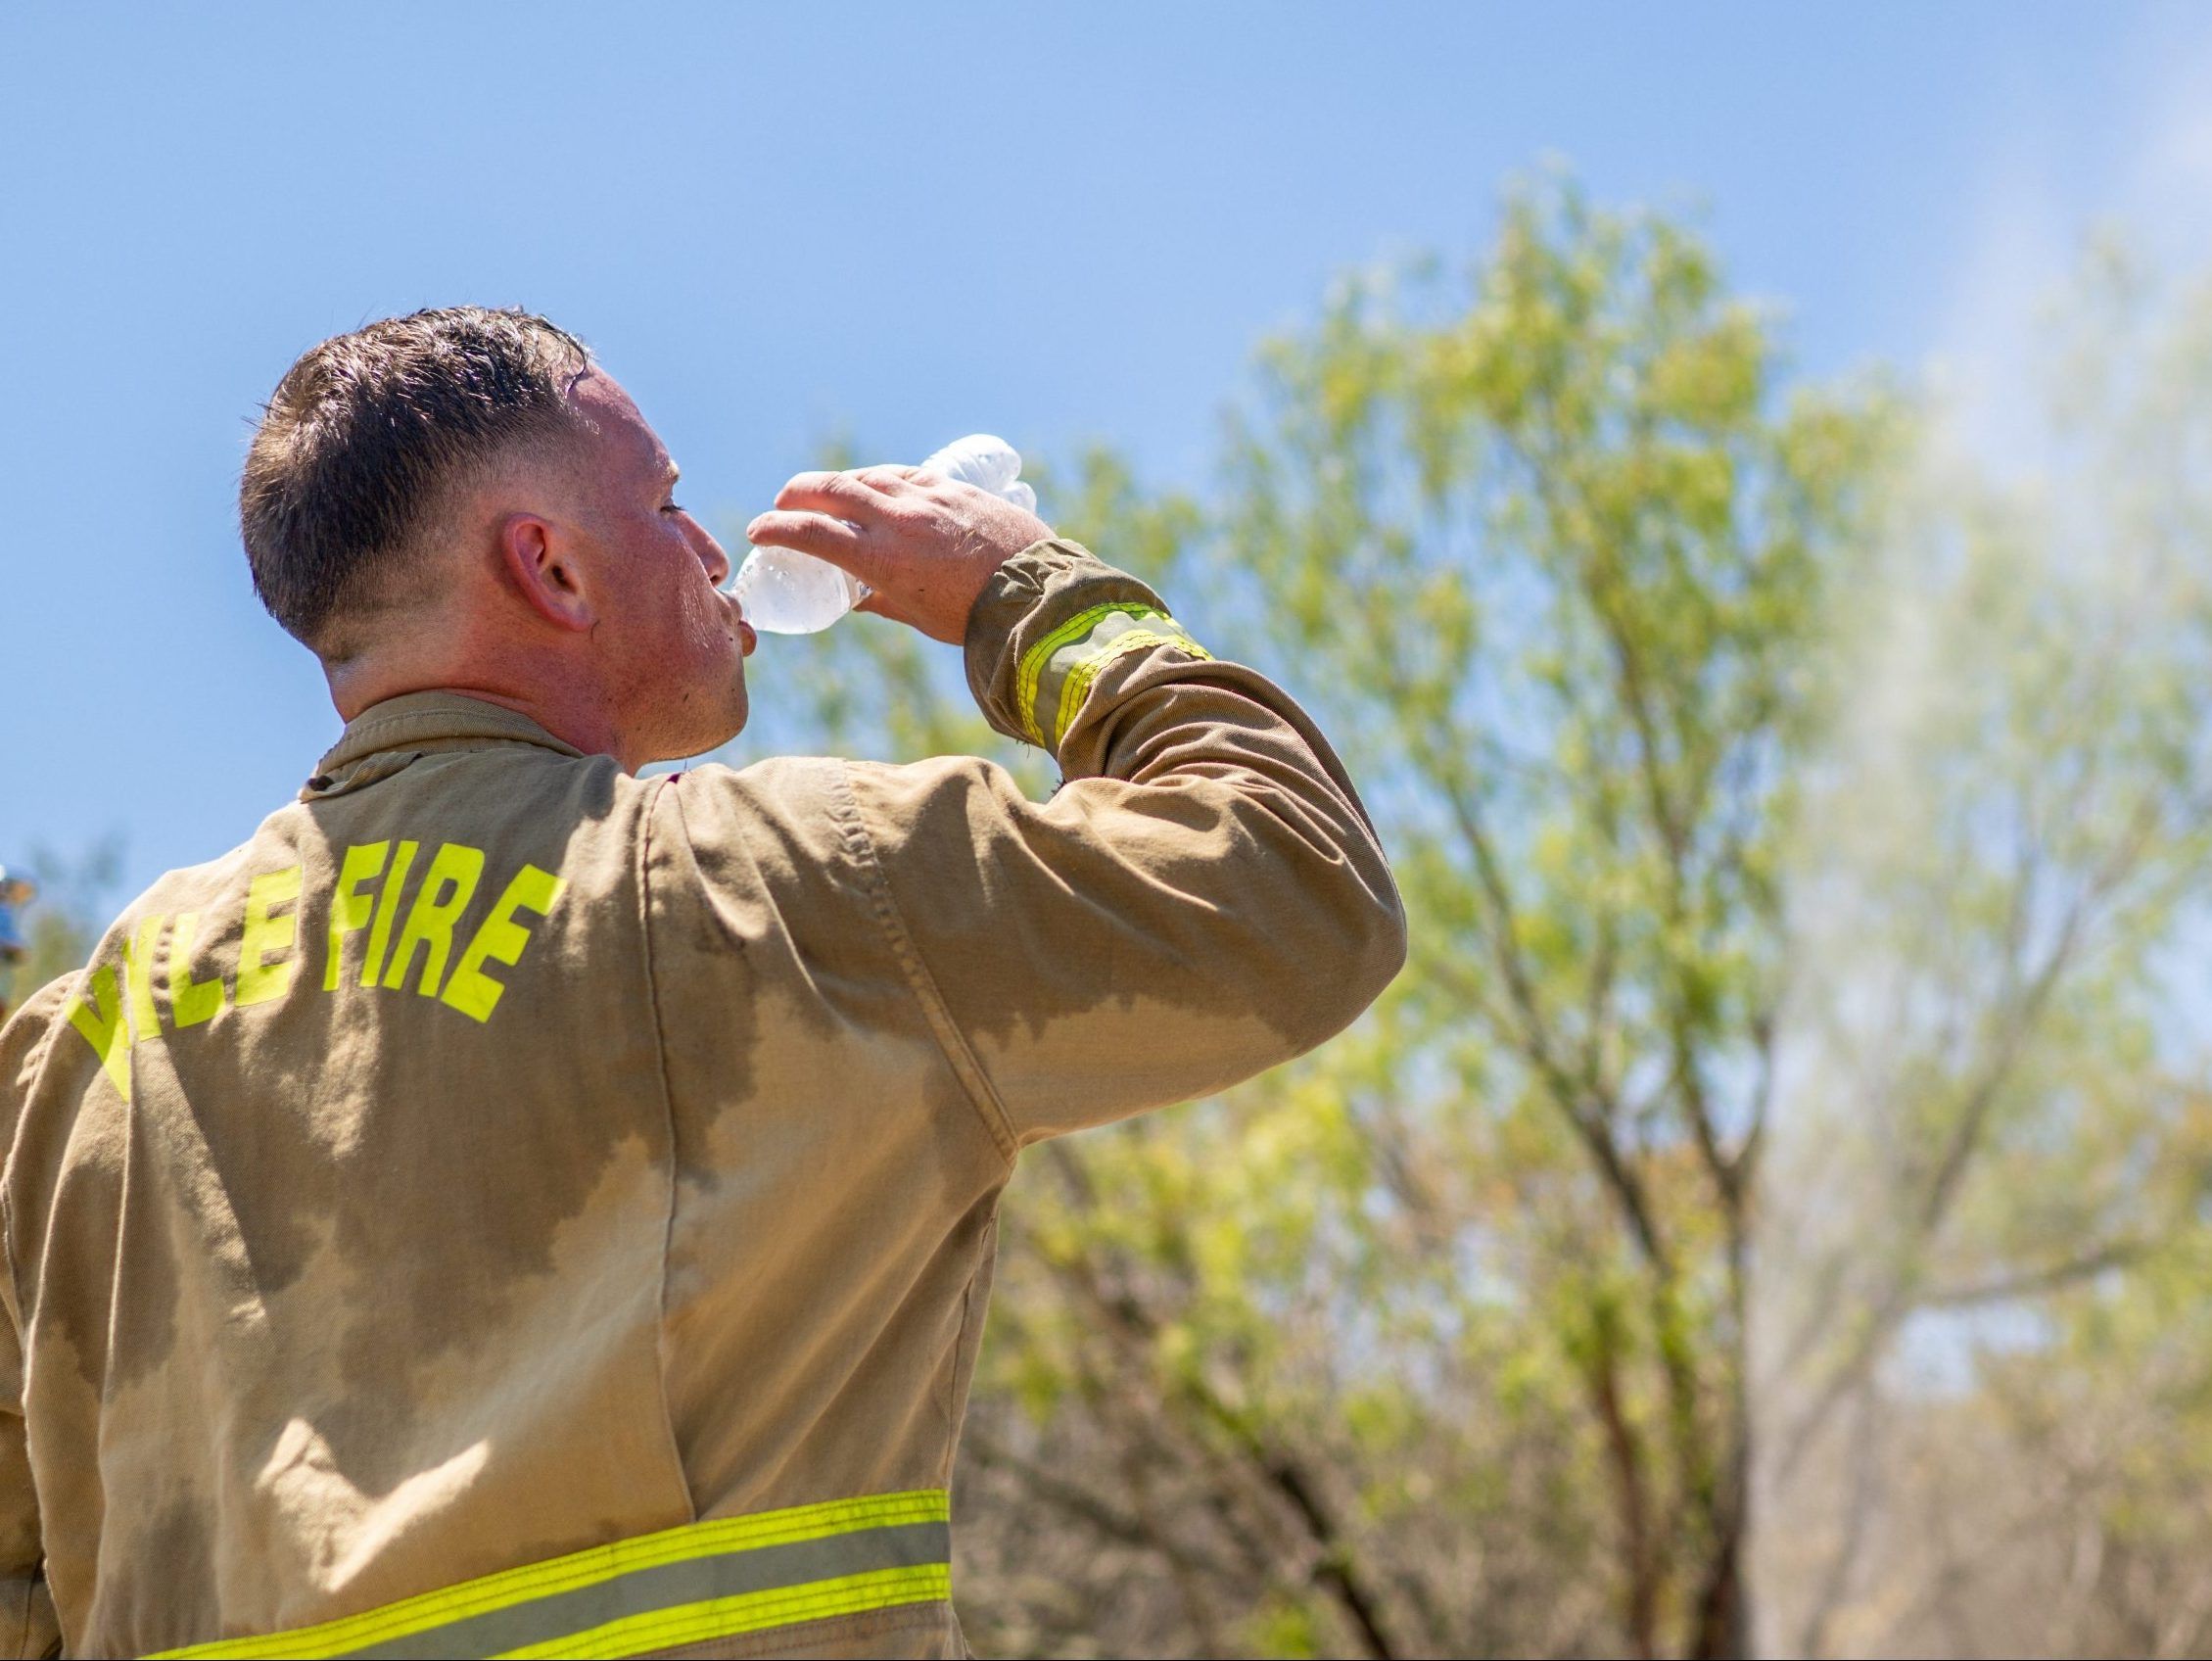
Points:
[(675, 1585)]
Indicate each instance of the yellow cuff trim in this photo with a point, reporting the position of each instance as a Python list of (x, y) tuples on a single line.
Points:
[(1040, 677), (1079, 678)]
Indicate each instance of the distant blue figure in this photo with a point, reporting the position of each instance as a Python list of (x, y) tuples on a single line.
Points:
[(14, 891), (12, 894)]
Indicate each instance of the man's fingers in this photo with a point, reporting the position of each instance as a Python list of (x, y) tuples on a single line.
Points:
[(810, 533), (924, 543), (886, 481), (841, 496)]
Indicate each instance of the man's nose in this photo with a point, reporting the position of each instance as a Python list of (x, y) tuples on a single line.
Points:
[(710, 555)]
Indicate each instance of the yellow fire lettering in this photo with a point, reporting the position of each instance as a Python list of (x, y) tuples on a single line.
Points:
[(456, 868), (500, 939), (387, 908), (138, 977), (191, 1001), (266, 936), (349, 908), (102, 1024)]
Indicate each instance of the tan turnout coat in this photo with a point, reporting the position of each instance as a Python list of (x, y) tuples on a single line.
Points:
[(499, 1159)]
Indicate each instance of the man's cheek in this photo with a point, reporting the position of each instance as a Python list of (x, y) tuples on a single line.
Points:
[(719, 624)]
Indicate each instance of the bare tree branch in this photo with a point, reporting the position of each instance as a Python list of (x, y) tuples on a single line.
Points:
[(2033, 1283)]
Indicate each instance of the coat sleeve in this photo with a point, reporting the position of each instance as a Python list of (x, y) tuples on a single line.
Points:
[(1202, 898), (29, 1625)]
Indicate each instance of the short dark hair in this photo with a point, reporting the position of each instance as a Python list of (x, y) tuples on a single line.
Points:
[(363, 438)]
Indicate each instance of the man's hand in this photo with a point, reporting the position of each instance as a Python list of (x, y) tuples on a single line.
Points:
[(925, 544)]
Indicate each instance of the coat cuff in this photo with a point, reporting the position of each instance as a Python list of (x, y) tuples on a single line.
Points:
[(1046, 621)]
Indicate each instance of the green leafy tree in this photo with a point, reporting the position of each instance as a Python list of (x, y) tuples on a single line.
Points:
[(1565, 551)]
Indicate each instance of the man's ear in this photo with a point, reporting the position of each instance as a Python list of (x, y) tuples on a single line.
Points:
[(540, 561)]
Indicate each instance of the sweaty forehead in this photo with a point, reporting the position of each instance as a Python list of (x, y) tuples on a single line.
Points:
[(624, 436)]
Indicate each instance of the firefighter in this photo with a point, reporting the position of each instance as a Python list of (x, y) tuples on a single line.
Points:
[(512, 1203)]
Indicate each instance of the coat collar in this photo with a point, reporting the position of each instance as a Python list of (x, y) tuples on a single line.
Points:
[(418, 722)]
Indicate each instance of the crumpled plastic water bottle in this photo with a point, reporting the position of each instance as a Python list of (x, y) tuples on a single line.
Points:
[(788, 593)]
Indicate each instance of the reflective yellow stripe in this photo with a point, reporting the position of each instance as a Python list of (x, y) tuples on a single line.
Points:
[(752, 1612), (1033, 662), (805, 1541), (1079, 678), (1037, 662)]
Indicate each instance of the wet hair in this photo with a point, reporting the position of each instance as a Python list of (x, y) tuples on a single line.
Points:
[(362, 442)]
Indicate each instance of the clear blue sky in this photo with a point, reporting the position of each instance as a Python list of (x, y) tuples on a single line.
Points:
[(1056, 222)]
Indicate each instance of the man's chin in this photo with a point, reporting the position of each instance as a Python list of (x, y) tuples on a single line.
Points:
[(736, 710), (724, 732), (702, 735)]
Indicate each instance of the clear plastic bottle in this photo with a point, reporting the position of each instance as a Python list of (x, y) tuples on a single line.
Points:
[(788, 593)]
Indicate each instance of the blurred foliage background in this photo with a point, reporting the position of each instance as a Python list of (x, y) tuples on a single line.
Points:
[(1771, 1211)]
